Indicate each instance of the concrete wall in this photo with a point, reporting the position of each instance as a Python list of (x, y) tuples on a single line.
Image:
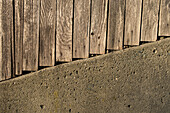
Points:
[(134, 80)]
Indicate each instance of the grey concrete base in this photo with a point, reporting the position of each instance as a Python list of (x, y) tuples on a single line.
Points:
[(135, 80)]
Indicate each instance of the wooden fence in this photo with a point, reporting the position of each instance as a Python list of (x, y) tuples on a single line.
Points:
[(36, 33)]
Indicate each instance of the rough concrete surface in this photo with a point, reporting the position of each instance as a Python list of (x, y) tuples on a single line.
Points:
[(134, 80)]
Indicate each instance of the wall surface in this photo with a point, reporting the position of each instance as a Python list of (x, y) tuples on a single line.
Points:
[(134, 80), (36, 33)]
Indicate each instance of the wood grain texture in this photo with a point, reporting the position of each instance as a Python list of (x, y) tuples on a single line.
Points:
[(164, 23), (132, 22), (31, 35), (149, 29), (2, 76), (47, 33), (6, 37), (19, 24), (81, 29), (64, 30), (116, 24), (98, 26)]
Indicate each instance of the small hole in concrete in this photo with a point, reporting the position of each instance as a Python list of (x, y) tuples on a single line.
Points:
[(154, 51), (162, 100), (9, 107), (129, 106), (76, 72), (42, 106), (64, 76), (69, 110)]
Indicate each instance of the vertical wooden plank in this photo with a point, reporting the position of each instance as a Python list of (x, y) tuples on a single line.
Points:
[(19, 22), (164, 23), (47, 33), (150, 20), (81, 29), (31, 35), (6, 37), (2, 76), (132, 22), (116, 24), (64, 30), (98, 26)]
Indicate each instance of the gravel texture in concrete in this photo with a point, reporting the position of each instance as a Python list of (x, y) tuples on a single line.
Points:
[(134, 80)]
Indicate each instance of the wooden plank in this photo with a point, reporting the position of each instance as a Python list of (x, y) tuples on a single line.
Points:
[(31, 35), (81, 29), (98, 26), (2, 76), (116, 24), (164, 23), (132, 22), (149, 29), (6, 37), (47, 33), (64, 30), (19, 17)]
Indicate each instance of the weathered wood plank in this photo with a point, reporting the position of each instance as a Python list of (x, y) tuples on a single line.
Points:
[(19, 23), (64, 30), (98, 26), (2, 76), (149, 29), (116, 24), (47, 33), (81, 29), (164, 23), (6, 37), (132, 22), (31, 35)]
